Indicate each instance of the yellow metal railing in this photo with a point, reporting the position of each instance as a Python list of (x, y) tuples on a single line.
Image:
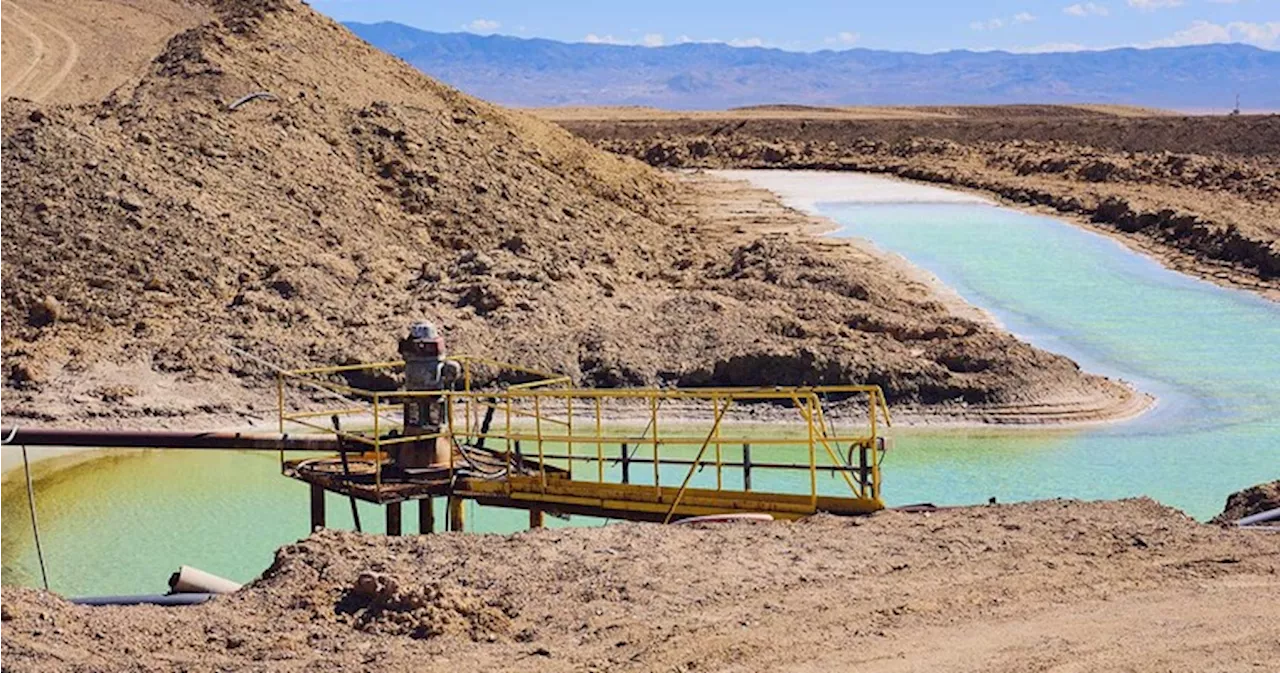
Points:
[(566, 427)]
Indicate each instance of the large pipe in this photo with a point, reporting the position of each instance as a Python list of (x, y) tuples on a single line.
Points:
[(1260, 517), (167, 439), (168, 600), (190, 580)]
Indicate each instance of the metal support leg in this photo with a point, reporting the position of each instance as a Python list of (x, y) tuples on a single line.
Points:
[(317, 507), (456, 522), (393, 518), (746, 467), (536, 518), (626, 465), (426, 517)]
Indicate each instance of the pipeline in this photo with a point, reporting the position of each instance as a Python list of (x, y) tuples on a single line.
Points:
[(169, 439), (166, 600), (1259, 518)]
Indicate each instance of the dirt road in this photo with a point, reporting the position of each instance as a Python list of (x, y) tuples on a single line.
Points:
[(40, 67), (77, 51)]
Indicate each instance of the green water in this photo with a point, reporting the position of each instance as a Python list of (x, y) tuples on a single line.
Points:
[(1211, 356), (122, 524)]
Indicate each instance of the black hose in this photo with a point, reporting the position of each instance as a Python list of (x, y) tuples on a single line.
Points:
[(167, 600)]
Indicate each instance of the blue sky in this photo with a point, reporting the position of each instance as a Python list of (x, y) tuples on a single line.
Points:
[(807, 25)]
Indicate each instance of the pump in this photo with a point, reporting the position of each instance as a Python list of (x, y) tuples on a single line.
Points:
[(426, 369)]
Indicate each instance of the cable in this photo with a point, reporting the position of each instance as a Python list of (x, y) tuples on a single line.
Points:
[(31, 503), (472, 463)]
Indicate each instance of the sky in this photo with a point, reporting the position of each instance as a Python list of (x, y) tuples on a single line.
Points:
[(810, 25)]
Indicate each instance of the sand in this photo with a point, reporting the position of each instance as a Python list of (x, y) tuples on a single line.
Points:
[(1056, 585)]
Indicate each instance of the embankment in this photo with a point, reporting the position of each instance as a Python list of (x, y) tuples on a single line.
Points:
[(1199, 193)]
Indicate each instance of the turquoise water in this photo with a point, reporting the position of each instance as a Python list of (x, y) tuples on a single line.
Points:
[(1211, 355), (121, 525)]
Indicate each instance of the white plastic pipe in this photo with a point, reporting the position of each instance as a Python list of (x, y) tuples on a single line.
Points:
[(190, 580)]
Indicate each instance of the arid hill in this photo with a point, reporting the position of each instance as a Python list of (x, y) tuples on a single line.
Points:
[(146, 231)]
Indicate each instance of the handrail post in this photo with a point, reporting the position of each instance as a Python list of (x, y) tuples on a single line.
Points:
[(448, 412), (715, 406), (872, 404), (377, 447), (537, 422), (508, 438), (746, 467), (813, 456), (280, 411), (568, 406), (599, 441), (657, 475)]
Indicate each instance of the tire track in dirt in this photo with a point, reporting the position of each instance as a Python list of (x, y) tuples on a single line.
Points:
[(70, 53), (38, 47)]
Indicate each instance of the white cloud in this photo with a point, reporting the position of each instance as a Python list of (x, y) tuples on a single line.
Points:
[(1258, 34), (1050, 47), (1086, 9), (652, 40), (746, 42), (998, 23), (592, 38), (482, 26), (844, 37), (1153, 5), (1206, 32)]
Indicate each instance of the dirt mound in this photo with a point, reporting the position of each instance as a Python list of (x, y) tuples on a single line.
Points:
[(146, 232), (1250, 501), (308, 226), (379, 604), (1128, 585)]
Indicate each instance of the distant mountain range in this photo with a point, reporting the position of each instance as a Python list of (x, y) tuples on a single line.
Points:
[(535, 72)]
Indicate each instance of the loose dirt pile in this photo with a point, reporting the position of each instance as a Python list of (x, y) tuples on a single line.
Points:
[(1250, 501), (1128, 585), (145, 232), (1202, 194)]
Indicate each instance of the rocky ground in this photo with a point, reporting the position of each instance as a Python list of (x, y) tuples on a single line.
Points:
[(1199, 193), (149, 228), (1250, 501), (1054, 585)]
